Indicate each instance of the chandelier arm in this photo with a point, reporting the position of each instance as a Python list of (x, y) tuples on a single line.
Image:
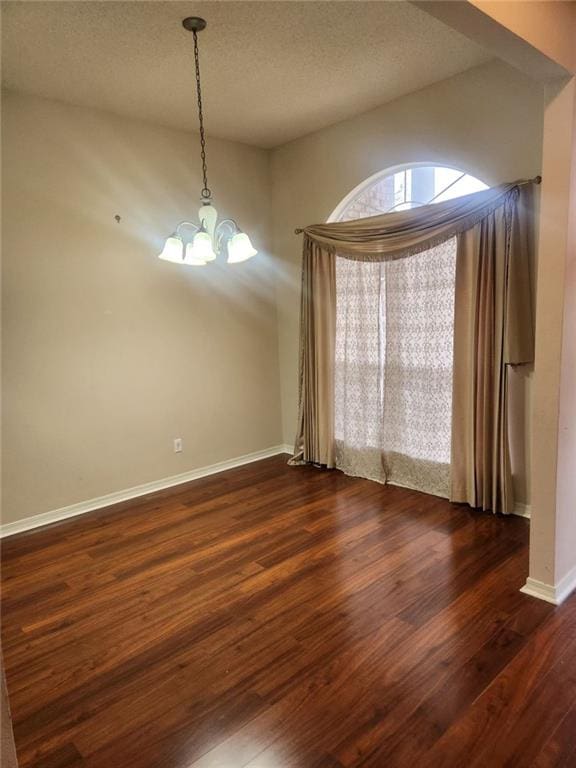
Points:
[(220, 233), (195, 227), (228, 222), (206, 193)]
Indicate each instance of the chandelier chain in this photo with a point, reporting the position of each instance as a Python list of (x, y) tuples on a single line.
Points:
[(206, 193)]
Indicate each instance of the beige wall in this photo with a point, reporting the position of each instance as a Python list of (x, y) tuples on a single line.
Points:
[(548, 28), (535, 37), (7, 746), (487, 121), (566, 488), (553, 528), (110, 353)]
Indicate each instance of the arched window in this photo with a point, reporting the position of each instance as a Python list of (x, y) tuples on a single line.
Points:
[(403, 187)]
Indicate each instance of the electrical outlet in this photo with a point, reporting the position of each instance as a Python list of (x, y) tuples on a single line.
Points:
[(177, 445)]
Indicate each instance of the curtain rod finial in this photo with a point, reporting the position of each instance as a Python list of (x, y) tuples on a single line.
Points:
[(537, 179), (298, 231)]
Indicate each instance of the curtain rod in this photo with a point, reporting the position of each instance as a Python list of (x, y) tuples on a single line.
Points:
[(535, 180)]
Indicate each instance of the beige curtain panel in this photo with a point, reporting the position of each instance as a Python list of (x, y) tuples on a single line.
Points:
[(316, 379), (493, 325)]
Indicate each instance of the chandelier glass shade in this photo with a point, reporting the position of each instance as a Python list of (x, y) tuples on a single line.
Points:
[(194, 244)]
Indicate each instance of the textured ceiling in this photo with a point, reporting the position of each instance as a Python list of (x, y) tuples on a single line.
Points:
[(271, 71)]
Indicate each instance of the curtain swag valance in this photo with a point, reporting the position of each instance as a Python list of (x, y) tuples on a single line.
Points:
[(493, 324), (405, 233)]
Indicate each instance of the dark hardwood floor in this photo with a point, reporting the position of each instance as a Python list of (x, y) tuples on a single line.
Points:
[(281, 617)]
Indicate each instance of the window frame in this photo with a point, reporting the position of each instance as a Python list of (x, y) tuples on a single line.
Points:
[(390, 171)]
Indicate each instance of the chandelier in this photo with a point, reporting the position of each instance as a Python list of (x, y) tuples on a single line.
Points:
[(197, 244)]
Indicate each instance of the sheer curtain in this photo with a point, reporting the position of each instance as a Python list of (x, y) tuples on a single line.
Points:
[(393, 368)]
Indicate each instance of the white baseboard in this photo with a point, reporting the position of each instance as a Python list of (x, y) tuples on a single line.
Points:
[(552, 593), (45, 518), (27, 523), (566, 585), (538, 589), (522, 510)]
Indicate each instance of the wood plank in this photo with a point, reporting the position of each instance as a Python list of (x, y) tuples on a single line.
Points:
[(276, 615)]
